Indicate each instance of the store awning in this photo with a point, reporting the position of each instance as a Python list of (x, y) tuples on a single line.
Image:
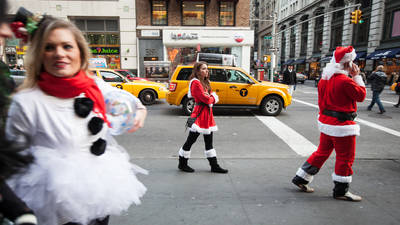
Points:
[(361, 55), (299, 61), (326, 59), (289, 62), (385, 53)]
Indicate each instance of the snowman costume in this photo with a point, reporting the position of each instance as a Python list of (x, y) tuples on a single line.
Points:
[(80, 173), (338, 95)]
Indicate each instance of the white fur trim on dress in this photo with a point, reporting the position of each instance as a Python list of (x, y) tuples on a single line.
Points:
[(210, 153), (184, 154), (341, 179), (339, 130), (215, 97), (303, 174), (196, 128), (26, 219), (359, 81), (190, 85)]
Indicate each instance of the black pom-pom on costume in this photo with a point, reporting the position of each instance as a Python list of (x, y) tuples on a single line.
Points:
[(83, 106), (98, 147), (95, 125)]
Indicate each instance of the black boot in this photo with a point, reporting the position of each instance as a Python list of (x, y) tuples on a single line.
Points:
[(184, 166), (215, 168), (341, 192), (302, 184)]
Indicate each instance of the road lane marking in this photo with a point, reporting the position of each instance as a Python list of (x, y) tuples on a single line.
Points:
[(383, 101), (296, 142), (365, 122)]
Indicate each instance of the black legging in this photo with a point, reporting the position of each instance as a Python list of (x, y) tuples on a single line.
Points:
[(191, 139)]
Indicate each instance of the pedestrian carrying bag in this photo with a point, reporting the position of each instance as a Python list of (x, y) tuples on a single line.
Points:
[(190, 121)]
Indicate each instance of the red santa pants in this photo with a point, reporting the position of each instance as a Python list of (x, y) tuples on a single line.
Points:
[(345, 148)]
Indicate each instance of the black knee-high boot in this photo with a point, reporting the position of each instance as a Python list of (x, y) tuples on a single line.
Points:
[(341, 192), (215, 168), (183, 165)]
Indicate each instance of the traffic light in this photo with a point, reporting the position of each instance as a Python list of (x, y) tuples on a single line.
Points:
[(267, 58), (354, 17), (359, 17)]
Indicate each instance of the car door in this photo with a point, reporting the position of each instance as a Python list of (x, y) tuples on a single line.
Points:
[(240, 89), (218, 79), (114, 79)]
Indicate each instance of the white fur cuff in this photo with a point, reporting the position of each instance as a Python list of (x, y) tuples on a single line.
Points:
[(358, 79), (184, 154), (27, 219), (303, 174), (341, 179), (210, 153), (215, 97)]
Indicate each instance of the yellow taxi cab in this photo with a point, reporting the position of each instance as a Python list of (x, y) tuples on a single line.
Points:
[(146, 91), (235, 89)]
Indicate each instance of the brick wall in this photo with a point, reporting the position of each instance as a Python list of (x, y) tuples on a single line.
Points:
[(143, 13)]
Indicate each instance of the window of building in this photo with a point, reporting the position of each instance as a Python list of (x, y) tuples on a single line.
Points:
[(304, 39), (193, 13), (227, 13), (99, 32), (283, 46), (337, 29), (319, 23), (361, 31), (292, 42), (396, 24), (159, 13)]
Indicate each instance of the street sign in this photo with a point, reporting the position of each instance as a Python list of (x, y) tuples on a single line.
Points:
[(268, 37)]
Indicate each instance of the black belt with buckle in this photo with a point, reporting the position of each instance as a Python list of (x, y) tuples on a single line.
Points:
[(341, 116)]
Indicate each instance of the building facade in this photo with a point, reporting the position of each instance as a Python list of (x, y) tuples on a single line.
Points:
[(174, 31), (310, 30), (108, 25)]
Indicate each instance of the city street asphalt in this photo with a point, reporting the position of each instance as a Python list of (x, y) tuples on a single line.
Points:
[(258, 189)]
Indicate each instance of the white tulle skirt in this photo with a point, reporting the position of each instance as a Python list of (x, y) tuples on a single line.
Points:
[(77, 186)]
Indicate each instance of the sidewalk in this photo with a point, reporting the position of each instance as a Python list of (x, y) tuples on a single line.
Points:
[(259, 191)]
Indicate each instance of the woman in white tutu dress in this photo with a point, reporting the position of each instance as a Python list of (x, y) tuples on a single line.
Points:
[(80, 174)]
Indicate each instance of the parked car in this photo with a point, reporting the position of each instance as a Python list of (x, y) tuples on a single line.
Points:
[(18, 76), (301, 78), (130, 75), (146, 91), (235, 88)]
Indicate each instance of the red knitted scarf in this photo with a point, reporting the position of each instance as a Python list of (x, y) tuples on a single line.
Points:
[(70, 87)]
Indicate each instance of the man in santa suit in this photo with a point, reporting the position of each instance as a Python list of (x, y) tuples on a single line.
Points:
[(339, 90)]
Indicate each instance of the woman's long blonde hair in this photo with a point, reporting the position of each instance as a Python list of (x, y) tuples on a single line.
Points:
[(34, 55), (196, 74)]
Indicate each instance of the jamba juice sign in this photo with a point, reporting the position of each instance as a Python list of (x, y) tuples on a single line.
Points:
[(105, 50)]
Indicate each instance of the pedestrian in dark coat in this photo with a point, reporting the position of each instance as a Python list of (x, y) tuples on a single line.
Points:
[(289, 78), (11, 207), (397, 89), (378, 80)]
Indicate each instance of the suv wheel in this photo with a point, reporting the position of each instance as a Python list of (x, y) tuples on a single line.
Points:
[(187, 106), (147, 97), (271, 106)]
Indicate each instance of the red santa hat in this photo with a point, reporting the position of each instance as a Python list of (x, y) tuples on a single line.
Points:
[(344, 54), (340, 56)]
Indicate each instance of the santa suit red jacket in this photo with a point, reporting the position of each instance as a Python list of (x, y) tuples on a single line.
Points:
[(205, 123), (341, 93)]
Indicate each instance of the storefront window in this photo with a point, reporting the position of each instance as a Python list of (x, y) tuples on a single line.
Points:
[(193, 13), (227, 14), (159, 13)]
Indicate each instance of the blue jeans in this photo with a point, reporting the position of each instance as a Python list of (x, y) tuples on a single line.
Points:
[(375, 98)]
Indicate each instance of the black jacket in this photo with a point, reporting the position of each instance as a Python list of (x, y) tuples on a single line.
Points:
[(289, 77), (378, 80)]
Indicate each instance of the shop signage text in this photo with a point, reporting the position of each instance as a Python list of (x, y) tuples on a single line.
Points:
[(105, 50), (184, 36)]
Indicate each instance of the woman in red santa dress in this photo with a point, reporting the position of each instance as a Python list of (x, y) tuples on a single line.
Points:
[(200, 90), (339, 90)]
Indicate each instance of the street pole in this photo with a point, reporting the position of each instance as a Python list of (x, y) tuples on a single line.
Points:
[(271, 79)]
